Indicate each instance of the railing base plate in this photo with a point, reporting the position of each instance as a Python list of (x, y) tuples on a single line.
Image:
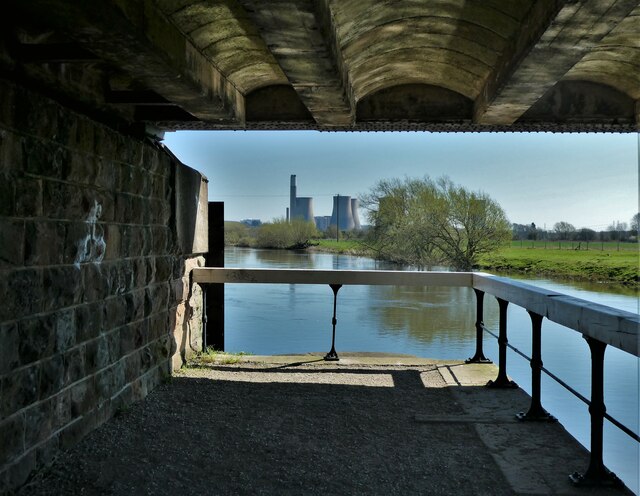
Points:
[(497, 384), (331, 357), (603, 479), (477, 360), (536, 417)]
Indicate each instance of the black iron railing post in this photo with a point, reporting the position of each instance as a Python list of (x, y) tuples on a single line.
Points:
[(502, 381), (536, 412), (479, 355), (597, 474), (332, 356)]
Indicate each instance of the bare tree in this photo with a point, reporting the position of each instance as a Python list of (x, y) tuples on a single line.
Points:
[(564, 230), (618, 230), (635, 224), (586, 234)]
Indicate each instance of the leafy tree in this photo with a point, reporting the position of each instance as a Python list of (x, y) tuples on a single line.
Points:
[(424, 222), (302, 232), (236, 234), (296, 234), (564, 230), (635, 224)]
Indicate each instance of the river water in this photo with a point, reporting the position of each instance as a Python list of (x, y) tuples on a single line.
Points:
[(435, 322)]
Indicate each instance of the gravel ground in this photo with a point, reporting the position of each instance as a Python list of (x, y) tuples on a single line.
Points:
[(257, 429)]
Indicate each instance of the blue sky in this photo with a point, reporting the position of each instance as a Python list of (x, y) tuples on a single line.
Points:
[(589, 180)]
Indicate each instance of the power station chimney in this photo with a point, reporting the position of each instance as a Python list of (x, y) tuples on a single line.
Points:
[(292, 198)]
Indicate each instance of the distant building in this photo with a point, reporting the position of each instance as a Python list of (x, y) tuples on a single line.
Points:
[(251, 222), (323, 222)]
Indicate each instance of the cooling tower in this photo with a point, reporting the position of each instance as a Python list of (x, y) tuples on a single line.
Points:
[(304, 209), (354, 213), (342, 215)]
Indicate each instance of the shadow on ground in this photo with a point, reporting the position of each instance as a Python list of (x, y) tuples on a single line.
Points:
[(304, 426), (288, 431)]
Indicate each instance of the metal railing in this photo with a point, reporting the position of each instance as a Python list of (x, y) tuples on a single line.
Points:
[(600, 326)]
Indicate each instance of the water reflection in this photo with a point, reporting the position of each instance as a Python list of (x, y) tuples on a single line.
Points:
[(425, 312), (275, 258)]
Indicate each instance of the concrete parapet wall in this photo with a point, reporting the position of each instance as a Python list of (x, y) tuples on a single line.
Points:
[(97, 304)]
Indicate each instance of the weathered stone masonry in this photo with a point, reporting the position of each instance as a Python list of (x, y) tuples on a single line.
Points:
[(96, 305)]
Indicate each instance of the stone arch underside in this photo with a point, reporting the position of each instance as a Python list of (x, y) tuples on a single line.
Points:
[(227, 36), (582, 101), (203, 64), (415, 103), (276, 102), (454, 45), (615, 62)]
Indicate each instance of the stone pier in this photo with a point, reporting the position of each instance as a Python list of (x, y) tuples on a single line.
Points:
[(95, 259)]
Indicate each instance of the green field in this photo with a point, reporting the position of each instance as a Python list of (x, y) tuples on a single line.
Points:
[(607, 263), (577, 245)]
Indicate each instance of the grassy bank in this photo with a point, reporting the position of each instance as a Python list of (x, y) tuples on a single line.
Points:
[(610, 266), (343, 247), (606, 263)]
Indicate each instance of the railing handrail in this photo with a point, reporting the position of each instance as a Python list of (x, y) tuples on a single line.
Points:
[(612, 326), (618, 328), (344, 277)]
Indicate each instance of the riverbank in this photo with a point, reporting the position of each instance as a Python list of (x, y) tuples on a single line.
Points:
[(342, 247), (611, 267), (601, 266)]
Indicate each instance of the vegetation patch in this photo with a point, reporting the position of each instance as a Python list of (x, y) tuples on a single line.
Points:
[(279, 234), (212, 356), (342, 247)]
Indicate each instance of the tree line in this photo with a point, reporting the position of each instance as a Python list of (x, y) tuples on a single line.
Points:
[(565, 231), (279, 233)]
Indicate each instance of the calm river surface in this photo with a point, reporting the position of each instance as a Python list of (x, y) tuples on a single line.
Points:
[(434, 322)]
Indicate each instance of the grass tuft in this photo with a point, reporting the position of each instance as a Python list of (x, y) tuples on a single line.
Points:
[(211, 356)]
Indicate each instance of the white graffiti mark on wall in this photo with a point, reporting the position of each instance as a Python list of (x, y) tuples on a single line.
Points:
[(92, 247)]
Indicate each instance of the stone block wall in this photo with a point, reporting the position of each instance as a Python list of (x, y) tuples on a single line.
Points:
[(96, 302)]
